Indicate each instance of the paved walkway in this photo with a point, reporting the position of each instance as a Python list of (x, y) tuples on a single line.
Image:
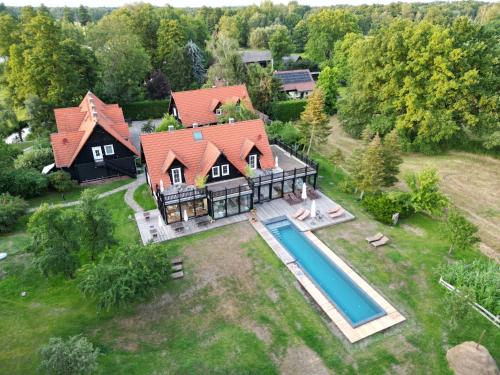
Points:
[(129, 195)]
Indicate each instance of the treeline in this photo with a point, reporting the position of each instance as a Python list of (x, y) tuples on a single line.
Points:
[(428, 70)]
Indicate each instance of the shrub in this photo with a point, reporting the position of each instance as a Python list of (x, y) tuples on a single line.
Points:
[(11, 209), (27, 183), (383, 205), (148, 127), (286, 131), (288, 110), (121, 278), (346, 186), (483, 278), (72, 357), (166, 121), (61, 181), (36, 158), (145, 110)]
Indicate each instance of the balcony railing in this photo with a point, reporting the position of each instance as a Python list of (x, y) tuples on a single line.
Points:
[(294, 151)]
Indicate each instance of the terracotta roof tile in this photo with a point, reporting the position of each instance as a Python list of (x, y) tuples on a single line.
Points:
[(198, 155), (77, 123), (198, 106)]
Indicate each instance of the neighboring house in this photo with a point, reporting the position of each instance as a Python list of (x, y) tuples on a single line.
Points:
[(218, 170), (203, 107), (262, 57), (92, 141), (296, 83)]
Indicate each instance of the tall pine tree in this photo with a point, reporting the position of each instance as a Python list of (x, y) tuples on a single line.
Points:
[(314, 125)]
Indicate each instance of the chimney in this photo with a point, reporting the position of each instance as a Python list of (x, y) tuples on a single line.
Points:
[(195, 124), (170, 128), (231, 120)]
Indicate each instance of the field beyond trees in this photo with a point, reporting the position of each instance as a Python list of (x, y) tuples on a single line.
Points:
[(471, 180)]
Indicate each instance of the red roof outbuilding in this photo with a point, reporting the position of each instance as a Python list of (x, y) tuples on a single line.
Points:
[(198, 106), (76, 124)]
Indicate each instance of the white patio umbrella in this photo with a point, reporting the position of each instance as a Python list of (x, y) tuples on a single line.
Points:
[(185, 216), (304, 191), (161, 185), (276, 165), (313, 208)]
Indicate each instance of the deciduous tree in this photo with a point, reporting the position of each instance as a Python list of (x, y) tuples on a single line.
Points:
[(328, 81), (280, 44), (460, 232), (425, 194)]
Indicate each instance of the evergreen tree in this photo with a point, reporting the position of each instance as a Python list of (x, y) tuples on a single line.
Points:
[(328, 81), (391, 150), (68, 15), (197, 62), (228, 68), (83, 15), (314, 123), (337, 157), (371, 174), (171, 37), (95, 224)]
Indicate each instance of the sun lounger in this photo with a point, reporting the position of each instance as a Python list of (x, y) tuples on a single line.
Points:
[(177, 261), (334, 209), (374, 238), (312, 194), (178, 275), (298, 213), (177, 267), (384, 240), (339, 213), (304, 216)]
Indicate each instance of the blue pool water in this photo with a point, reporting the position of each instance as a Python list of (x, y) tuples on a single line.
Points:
[(349, 299)]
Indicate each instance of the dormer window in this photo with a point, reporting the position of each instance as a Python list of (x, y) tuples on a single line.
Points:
[(252, 161), (218, 111), (176, 176)]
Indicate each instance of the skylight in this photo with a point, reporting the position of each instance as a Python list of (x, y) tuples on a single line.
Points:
[(197, 136)]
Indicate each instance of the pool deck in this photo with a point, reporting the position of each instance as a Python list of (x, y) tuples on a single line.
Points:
[(353, 334), (279, 207)]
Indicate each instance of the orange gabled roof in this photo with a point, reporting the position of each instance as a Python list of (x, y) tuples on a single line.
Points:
[(198, 106), (198, 156), (76, 124)]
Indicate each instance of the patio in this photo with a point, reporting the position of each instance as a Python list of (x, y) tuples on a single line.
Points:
[(280, 207), (155, 230)]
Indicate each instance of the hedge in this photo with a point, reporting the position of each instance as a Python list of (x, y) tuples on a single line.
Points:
[(145, 110), (288, 110)]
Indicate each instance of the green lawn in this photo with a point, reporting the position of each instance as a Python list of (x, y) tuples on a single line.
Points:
[(53, 197), (142, 196), (238, 309)]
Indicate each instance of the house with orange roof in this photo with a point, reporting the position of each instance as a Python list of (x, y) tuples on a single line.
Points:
[(93, 141), (201, 107), (220, 170)]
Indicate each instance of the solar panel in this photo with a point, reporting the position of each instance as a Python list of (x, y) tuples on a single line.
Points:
[(294, 77)]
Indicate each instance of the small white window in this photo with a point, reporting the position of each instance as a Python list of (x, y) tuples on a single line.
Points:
[(215, 171), (109, 150), (176, 176), (97, 152), (175, 111), (218, 111), (252, 161), (225, 169)]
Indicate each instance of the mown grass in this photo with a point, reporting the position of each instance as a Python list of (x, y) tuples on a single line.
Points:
[(142, 195), (200, 330), (53, 197)]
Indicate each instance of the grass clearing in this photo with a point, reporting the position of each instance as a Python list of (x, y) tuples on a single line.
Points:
[(464, 177), (54, 197), (142, 195)]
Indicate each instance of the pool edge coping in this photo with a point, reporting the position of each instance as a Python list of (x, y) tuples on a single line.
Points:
[(353, 334)]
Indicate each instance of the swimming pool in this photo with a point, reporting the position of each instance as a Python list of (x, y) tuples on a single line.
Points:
[(352, 302)]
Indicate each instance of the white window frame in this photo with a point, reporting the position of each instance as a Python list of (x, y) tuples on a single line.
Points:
[(175, 111), (218, 111), (225, 169), (106, 151), (252, 161), (214, 169), (173, 175), (97, 157)]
